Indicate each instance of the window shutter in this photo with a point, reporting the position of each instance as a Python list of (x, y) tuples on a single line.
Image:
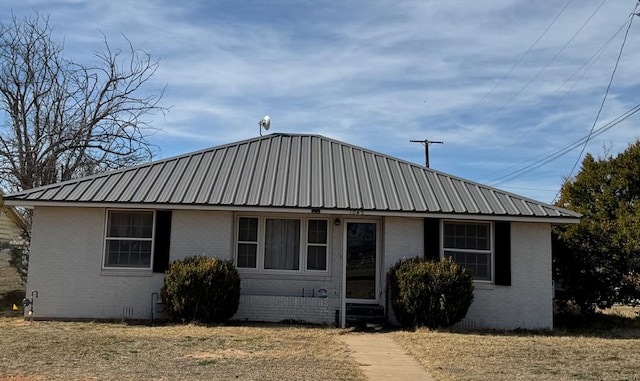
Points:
[(503, 253), (162, 241), (432, 239)]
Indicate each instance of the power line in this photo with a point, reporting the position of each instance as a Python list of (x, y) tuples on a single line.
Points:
[(553, 155), (613, 73), (521, 58), (590, 62), (547, 65)]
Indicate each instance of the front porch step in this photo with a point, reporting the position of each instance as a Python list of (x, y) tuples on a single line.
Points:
[(364, 314)]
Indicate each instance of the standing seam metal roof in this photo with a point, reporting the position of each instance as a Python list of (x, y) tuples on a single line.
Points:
[(292, 171)]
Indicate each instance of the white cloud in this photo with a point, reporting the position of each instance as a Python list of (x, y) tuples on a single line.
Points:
[(375, 73)]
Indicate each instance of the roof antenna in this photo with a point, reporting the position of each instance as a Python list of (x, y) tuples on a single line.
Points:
[(426, 148), (264, 123)]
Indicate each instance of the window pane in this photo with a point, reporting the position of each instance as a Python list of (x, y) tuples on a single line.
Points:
[(478, 263), (248, 229), (317, 258), (317, 231), (449, 230), (282, 244), (129, 239), (127, 253), (247, 255), (461, 235), (130, 224)]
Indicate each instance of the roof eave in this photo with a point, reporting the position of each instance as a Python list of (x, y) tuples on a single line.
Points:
[(300, 210)]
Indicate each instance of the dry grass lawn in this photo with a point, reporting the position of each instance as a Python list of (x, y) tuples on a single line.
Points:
[(101, 351), (525, 356), (111, 351)]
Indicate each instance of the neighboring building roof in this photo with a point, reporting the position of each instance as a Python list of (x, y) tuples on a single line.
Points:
[(291, 171), (12, 215)]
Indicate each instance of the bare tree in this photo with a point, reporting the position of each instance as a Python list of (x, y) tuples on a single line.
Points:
[(60, 119)]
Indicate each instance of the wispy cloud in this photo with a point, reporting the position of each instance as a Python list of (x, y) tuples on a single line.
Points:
[(377, 74)]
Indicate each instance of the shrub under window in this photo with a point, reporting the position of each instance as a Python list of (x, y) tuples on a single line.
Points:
[(201, 289), (431, 294)]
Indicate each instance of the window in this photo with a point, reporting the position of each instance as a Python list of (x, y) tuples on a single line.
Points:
[(288, 244), (317, 233), (129, 239), (247, 242), (469, 244), (282, 244)]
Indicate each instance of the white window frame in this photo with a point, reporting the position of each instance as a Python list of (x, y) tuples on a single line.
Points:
[(238, 242), (107, 239), (304, 244), (310, 244), (490, 251)]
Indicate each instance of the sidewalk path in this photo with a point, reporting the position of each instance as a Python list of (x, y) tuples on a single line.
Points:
[(381, 358)]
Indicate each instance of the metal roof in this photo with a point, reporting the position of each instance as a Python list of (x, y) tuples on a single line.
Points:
[(291, 171)]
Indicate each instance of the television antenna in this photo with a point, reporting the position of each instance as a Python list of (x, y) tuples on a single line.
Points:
[(264, 123)]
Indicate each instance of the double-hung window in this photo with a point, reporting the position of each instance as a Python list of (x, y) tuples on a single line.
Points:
[(129, 239), (469, 244), (247, 242), (287, 244), (317, 236)]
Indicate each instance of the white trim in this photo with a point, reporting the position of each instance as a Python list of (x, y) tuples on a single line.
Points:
[(304, 210), (260, 251), (492, 250), (105, 239), (343, 296)]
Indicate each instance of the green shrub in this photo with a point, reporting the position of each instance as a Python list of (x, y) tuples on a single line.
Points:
[(201, 289), (431, 294)]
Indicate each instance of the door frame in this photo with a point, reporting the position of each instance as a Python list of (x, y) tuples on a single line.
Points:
[(378, 281)]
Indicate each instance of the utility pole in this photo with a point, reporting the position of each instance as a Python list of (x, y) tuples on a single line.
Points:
[(426, 148)]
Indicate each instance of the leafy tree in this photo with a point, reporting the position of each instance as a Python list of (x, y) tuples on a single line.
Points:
[(597, 262), (61, 119)]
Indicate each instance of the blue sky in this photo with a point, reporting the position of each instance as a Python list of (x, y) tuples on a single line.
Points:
[(380, 73)]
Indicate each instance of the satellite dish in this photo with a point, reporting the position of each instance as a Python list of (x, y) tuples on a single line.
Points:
[(265, 123)]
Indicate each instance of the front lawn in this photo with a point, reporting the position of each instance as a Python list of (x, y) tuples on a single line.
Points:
[(111, 351), (605, 353), (81, 351)]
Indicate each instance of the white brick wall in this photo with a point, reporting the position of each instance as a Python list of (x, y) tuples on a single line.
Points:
[(66, 257), (293, 285), (195, 232), (65, 268), (403, 238), (278, 308), (527, 303)]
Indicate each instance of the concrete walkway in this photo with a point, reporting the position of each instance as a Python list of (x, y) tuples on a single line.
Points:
[(381, 358)]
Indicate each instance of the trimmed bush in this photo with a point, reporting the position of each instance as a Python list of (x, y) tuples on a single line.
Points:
[(431, 294), (201, 289)]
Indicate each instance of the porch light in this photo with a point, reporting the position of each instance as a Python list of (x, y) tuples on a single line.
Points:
[(337, 221)]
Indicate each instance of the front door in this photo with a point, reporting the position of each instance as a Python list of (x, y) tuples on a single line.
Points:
[(361, 267)]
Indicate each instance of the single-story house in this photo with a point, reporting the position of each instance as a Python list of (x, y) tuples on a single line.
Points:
[(312, 225)]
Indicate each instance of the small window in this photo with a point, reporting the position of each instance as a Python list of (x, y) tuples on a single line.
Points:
[(469, 244), (129, 239), (317, 245), (247, 242)]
